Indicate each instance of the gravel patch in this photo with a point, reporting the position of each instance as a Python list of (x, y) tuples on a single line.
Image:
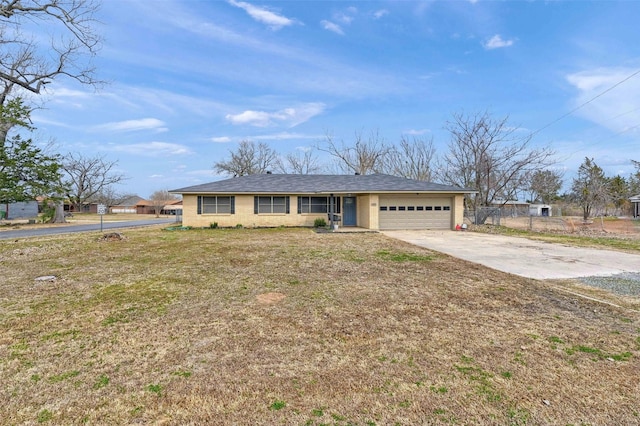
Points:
[(626, 284)]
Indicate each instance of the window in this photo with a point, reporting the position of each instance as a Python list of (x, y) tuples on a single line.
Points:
[(402, 208), (411, 208), (428, 208), (271, 204), (383, 208), (446, 208), (216, 205), (392, 208), (317, 205), (438, 208), (420, 208)]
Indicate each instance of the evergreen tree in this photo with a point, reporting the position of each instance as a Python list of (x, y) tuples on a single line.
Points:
[(590, 187)]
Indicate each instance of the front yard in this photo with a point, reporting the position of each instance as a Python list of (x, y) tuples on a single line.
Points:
[(286, 326)]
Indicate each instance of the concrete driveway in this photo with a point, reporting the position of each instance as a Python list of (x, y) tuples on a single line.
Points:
[(520, 256)]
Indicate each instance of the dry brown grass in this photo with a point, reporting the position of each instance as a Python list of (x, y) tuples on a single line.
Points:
[(286, 326)]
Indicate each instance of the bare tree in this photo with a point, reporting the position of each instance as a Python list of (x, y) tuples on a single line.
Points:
[(160, 199), (300, 163), (488, 156), (411, 159), (363, 157), (27, 65), (590, 188), (544, 185), (110, 197), (86, 177), (248, 159)]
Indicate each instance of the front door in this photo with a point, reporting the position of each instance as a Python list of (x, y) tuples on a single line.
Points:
[(349, 216)]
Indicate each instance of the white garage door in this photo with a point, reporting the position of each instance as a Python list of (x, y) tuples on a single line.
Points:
[(414, 212)]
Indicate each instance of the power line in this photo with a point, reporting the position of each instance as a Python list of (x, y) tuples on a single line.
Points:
[(585, 103)]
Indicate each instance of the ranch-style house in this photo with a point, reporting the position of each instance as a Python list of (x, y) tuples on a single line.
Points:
[(376, 202)]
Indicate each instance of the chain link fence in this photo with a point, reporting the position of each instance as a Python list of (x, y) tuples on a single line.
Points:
[(521, 217)]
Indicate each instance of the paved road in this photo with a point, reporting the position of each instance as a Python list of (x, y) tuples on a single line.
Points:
[(68, 229), (524, 257)]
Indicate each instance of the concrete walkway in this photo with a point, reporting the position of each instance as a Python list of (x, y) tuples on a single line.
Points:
[(524, 257)]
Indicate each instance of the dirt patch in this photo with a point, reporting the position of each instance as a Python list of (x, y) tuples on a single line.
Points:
[(112, 236), (270, 298)]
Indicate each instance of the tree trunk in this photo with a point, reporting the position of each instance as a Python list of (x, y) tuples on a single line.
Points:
[(59, 216)]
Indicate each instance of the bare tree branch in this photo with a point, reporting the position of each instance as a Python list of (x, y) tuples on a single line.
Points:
[(248, 159), (300, 163), (86, 177), (487, 155), (544, 185), (411, 159), (160, 199), (26, 64), (363, 157)]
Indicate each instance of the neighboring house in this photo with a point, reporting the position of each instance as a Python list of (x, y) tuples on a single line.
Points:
[(139, 205), (84, 208), (148, 207), (145, 207), (175, 208), (128, 205), (367, 201), (22, 210), (635, 206)]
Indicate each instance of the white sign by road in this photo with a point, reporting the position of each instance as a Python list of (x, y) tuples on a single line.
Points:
[(102, 209)]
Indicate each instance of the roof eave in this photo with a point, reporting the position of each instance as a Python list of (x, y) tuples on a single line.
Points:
[(382, 191)]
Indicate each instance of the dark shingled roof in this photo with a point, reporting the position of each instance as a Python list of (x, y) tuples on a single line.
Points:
[(130, 201), (309, 184)]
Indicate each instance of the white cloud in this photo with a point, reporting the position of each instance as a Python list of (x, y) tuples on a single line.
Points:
[(61, 95), (344, 17), (497, 42), (253, 118), (153, 149), (289, 117), (284, 136), (380, 13), (330, 26), (271, 19), (619, 108), (305, 69), (416, 132), (221, 139), (132, 126), (40, 120), (347, 16)]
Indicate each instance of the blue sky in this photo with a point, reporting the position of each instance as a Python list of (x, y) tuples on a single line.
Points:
[(190, 79)]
